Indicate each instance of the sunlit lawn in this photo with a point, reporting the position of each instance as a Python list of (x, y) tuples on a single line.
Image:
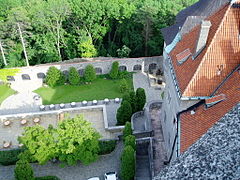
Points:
[(99, 89), (5, 92)]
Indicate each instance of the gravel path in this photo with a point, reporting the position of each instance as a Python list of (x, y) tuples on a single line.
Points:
[(140, 80), (110, 162)]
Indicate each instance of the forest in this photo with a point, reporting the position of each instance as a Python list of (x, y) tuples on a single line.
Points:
[(43, 31)]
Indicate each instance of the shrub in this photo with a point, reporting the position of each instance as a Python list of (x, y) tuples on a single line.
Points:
[(62, 79), (126, 97), (23, 171), (90, 73), (9, 157), (124, 113), (128, 163), (123, 86), (106, 147), (73, 77), (53, 76), (132, 96), (114, 71), (124, 75), (127, 130), (130, 140), (124, 51), (47, 178), (140, 99)]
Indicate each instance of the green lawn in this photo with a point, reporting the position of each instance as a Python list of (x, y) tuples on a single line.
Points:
[(5, 91), (99, 89)]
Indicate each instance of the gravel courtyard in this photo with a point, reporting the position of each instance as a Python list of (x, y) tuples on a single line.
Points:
[(107, 163)]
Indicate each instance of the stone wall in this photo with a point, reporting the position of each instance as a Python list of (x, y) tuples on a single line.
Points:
[(102, 66)]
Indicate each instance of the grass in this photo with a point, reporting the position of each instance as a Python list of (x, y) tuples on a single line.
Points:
[(5, 92), (99, 89)]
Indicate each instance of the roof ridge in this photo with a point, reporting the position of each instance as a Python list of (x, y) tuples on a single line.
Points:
[(212, 40)]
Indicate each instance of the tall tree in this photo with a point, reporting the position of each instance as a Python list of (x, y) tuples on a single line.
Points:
[(20, 26), (49, 17)]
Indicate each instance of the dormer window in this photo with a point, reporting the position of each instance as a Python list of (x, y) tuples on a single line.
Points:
[(214, 100), (183, 56)]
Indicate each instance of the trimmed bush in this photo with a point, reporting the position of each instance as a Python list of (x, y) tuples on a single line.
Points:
[(140, 99), (90, 73), (128, 163), (47, 178), (132, 96), (130, 140), (114, 71), (23, 170), (123, 86), (127, 130), (124, 113), (62, 79), (126, 97), (9, 157), (124, 75), (106, 147), (73, 77), (53, 76)]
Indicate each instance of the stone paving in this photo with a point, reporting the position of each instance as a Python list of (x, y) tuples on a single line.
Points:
[(159, 151), (106, 163), (141, 80)]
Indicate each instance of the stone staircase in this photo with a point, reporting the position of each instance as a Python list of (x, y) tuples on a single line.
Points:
[(142, 168)]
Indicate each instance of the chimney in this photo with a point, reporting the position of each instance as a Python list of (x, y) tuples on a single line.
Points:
[(203, 36)]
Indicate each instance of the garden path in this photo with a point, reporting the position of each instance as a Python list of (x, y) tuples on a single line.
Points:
[(24, 100), (141, 80)]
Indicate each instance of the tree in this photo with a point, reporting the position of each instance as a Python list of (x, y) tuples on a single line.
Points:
[(130, 140), (123, 52), (114, 71), (83, 145), (124, 113), (123, 86), (53, 76), (127, 130), (73, 139), (48, 18), (86, 48), (140, 99), (18, 22), (128, 163), (90, 73), (73, 77), (23, 170)]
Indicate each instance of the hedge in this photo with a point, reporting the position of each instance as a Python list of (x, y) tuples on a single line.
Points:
[(9, 157), (106, 147)]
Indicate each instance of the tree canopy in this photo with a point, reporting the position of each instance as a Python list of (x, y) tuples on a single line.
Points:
[(73, 139), (40, 31)]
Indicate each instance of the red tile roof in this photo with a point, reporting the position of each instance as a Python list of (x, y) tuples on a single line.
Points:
[(214, 99), (200, 77), (193, 126)]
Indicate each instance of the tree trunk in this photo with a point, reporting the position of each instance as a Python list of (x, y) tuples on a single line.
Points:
[(58, 43), (3, 55), (23, 44)]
